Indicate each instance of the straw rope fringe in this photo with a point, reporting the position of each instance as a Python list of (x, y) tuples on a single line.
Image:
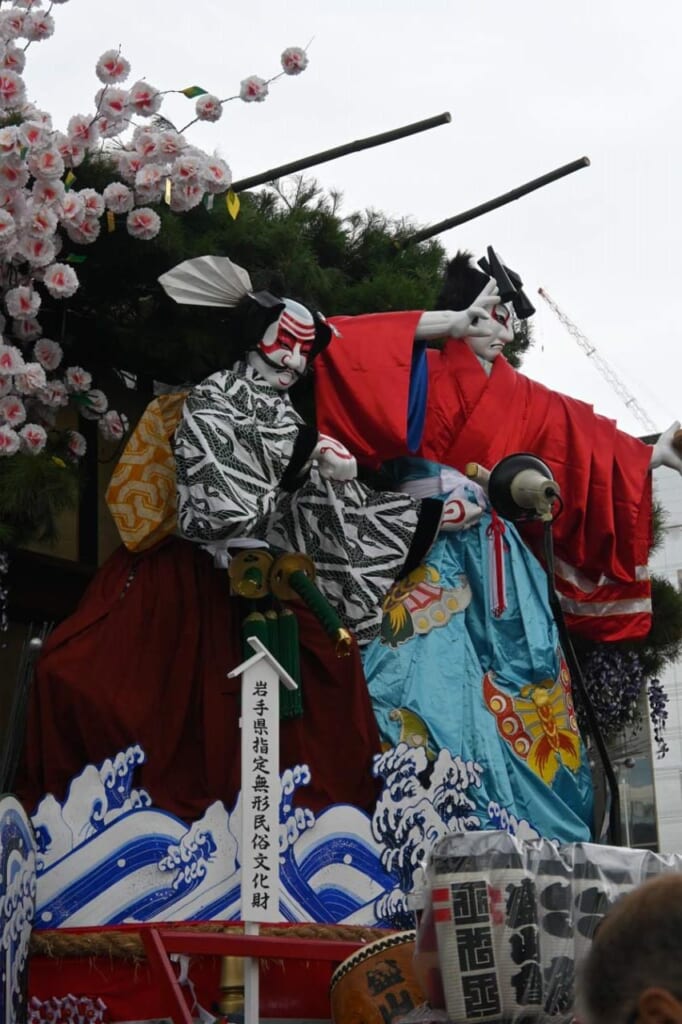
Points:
[(125, 945)]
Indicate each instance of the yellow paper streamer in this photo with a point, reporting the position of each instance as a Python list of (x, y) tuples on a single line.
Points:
[(69, 179), (111, 221), (233, 204), (167, 193)]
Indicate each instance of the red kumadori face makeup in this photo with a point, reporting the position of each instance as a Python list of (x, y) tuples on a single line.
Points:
[(282, 354)]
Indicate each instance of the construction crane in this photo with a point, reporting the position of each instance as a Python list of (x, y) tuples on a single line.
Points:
[(607, 372)]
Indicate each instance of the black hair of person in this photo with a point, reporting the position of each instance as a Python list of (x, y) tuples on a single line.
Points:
[(462, 283)]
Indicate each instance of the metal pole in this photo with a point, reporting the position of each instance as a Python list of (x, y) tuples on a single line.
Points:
[(493, 204), (333, 154)]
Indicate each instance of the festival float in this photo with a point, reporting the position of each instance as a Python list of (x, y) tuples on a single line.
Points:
[(307, 748)]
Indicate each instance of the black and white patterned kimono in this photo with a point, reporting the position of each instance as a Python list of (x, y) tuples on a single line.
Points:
[(242, 450)]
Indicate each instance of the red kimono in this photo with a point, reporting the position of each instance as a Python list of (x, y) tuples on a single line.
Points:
[(363, 399)]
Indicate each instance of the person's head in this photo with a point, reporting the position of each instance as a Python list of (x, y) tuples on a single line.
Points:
[(632, 973), (462, 284), (280, 337)]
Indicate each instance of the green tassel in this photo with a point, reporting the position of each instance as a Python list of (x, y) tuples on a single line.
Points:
[(254, 625), (290, 701)]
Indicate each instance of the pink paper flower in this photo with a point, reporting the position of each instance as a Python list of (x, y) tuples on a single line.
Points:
[(253, 89), (113, 425), (38, 26), (209, 108), (27, 329), (129, 164), (33, 438), (118, 197), (144, 99), (13, 59), (218, 176), (54, 395), (11, 24), (42, 222), (112, 67), (188, 166), (13, 176), (93, 203), (76, 444), (84, 231), (185, 195), (5, 384), (47, 192), (22, 302), (97, 404), (31, 379), (77, 379), (73, 207), (143, 223), (34, 135), (9, 441), (48, 353), (12, 90), (171, 143), (146, 143), (38, 251), (8, 228), (12, 411), (111, 102), (47, 164), (294, 60), (61, 281), (82, 130)]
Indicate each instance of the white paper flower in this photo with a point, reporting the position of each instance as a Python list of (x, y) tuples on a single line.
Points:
[(72, 207), (54, 395), (82, 130), (209, 108), (31, 379), (12, 411), (33, 438), (146, 142), (77, 379), (143, 223), (84, 231), (9, 441), (144, 99), (8, 229), (13, 59), (112, 102), (97, 404), (5, 384), (22, 302), (294, 60), (47, 192), (118, 197), (26, 330), (38, 251), (129, 164), (38, 26), (48, 353), (113, 425), (171, 143), (76, 444), (110, 127), (185, 195), (253, 89), (11, 359), (42, 222), (93, 203), (12, 90), (48, 164), (34, 135), (10, 141), (190, 165), (13, 176), (11, 24), (112, 67), (61, 281), (217, 175)]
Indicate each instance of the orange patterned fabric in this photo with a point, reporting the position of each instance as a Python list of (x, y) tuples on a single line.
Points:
[(141, 492)]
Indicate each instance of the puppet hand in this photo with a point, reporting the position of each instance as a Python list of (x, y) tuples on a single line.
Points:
[(459, 514), (479, 312), (334, 461), (668, 449)]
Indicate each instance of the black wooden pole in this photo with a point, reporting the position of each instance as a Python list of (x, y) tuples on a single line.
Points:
[(493, 204), (333, 154)]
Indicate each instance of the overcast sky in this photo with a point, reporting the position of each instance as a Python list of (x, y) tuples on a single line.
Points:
[(530, 86)]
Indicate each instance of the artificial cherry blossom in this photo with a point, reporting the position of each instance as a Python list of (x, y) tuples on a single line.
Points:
[(61, 281), (209, 108), (76, 444), (9, 441), (31, 379), (112, 67), (294, 60), (48, 353), (12, 411), (77, 379), (22, 301), (143, 223), (33, 438), (118, 197), (253, 89)]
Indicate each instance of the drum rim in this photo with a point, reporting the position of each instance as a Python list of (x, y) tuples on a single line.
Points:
[(378, 946)]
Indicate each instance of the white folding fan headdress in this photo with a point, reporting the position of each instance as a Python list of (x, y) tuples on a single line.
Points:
[(206, 281)]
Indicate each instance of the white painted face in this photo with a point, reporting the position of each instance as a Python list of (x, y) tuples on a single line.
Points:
[(282, 353), (500, 332)]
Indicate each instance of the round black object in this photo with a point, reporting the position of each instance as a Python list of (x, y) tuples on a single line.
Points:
[(500, 482)]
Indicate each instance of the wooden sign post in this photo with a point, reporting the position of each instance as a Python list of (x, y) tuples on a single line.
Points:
[(259, 841)]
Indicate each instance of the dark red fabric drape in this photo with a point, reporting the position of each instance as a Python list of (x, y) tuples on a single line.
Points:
[(145, 659)]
